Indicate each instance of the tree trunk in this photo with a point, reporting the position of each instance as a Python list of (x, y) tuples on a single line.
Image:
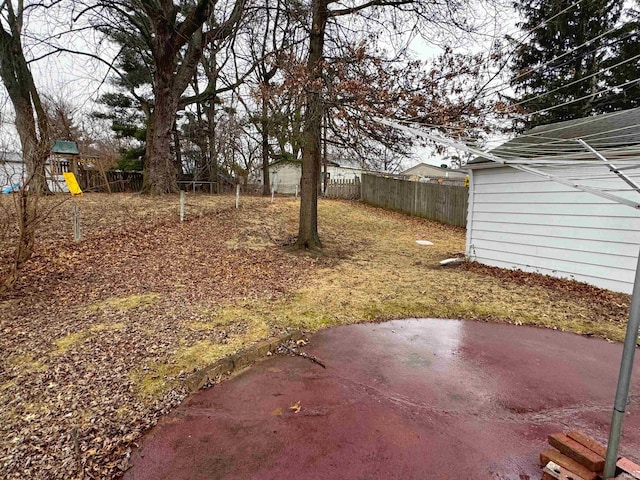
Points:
[(266, 187), (324, 154), (308, 237), (201, 172), (35, 152), (33, 129), (213, 151), (177, 154), (159, 170), (31, 119)]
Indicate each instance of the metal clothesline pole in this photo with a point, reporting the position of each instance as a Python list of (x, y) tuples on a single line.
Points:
[(611, 166), (628, 351), (624, 378)]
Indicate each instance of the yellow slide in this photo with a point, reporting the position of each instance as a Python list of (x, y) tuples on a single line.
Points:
[(72, 183)]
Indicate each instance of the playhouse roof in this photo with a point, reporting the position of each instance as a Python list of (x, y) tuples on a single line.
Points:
[(65, 147)]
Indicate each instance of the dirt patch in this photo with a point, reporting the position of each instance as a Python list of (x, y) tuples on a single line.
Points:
[(100, 335)]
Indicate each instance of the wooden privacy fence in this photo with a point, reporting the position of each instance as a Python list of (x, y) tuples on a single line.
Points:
[(349, 189), (119, 181), (443, 203)]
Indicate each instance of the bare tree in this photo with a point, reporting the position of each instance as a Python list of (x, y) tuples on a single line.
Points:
[(31, 123), (427, 16), (279, 30), (224, 71), (61, 113), (31, 118)]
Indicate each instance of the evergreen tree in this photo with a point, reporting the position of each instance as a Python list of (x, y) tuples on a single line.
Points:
[(624, 64), (129, 127), (552, 67), (128, 106)]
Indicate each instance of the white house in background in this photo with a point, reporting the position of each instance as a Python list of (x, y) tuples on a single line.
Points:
[(423, 172), (285, 175), (521, 220)]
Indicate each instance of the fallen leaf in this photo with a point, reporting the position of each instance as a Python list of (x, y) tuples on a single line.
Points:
[(277, 412), (295, 407)]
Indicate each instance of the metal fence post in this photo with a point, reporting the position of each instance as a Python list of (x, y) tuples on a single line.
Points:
[(182, 195), (75, 213)]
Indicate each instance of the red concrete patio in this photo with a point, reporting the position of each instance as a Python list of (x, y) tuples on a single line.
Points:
[(410, 399)]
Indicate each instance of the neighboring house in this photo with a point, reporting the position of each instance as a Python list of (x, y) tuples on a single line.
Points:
[(521, 220), (63, 158), (424, 172), (285, 175)]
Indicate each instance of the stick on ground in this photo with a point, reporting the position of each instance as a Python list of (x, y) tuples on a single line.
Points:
[(304, 355)]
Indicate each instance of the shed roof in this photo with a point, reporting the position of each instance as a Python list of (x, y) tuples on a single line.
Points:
[(612, 132), (433, 169), (65, 147), (297, 163)]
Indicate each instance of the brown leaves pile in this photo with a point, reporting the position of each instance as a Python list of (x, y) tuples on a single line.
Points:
[(605, 303)]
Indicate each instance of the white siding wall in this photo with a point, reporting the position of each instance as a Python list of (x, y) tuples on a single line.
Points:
[(519, 220), (285, 176), (343, 173)]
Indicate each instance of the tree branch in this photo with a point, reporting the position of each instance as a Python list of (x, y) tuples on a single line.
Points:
[(372, 3)]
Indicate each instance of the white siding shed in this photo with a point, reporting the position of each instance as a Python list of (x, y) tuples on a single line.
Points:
[(285, 176), (519, 220)]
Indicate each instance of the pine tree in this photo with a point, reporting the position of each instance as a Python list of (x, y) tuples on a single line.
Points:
[(129, 104), (623, 67), (559, 58)]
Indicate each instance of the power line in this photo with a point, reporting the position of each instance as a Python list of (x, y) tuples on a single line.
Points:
[(569, 153), (507, 84), (583, 122), (576, 81), (545, 21), (540, 25), (505, 162), (571, 50), (554, 140), (569, 102)]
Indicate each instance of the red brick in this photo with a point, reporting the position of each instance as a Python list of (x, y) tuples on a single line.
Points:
[(588, 442), (551, 455), (546, 476), (629, 467), (579, 453)]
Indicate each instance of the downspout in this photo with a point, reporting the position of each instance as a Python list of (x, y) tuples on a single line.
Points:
[(469, 250)]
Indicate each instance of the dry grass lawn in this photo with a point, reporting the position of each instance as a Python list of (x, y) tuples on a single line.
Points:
[(99, 335)]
